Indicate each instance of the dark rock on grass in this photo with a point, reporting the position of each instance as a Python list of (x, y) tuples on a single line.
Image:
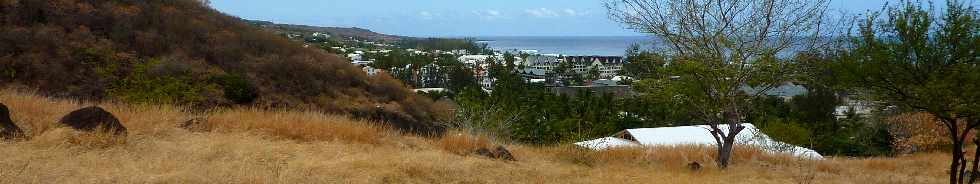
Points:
[(485, 152), (196, 125), (499, 153), (92, 119), (503, 154), (694, 166), (8, 130)]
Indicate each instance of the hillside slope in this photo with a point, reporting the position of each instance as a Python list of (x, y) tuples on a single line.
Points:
[(259, 146), (183, 52)]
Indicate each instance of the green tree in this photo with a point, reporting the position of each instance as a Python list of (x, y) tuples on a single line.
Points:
[(717, 47), (919, 61), (642, 63)]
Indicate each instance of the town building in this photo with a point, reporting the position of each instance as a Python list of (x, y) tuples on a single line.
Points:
[(371, 71), (608, 66), (545, 66)]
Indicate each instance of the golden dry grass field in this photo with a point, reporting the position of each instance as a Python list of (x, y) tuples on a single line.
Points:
[(258, 146)]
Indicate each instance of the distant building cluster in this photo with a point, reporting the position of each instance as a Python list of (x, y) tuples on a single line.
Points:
[(547, 68), (535, 68)]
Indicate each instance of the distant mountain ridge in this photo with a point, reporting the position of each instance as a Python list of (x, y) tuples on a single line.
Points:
[(343, 32)]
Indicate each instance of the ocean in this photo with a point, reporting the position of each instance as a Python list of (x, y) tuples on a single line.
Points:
[(567, 45)]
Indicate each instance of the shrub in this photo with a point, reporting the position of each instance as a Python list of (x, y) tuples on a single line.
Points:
[(918, 132), (141, 87), (237, 88)]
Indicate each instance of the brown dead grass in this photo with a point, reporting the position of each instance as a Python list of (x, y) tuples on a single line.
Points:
[(257, 146), (302, 125), (462, 143)]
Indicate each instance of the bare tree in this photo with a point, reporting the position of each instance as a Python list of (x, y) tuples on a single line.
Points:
[(725, 45)]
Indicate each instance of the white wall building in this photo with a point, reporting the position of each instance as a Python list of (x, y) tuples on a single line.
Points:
[(354, 57), (371, 71)]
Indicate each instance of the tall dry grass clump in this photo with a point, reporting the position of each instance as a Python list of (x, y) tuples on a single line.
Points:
[(300, 125), (462, 143)]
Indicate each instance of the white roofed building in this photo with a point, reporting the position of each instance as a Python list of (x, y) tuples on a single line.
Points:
[(694, 135)]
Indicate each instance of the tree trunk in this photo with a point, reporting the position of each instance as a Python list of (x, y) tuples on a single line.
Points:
[(955, 172), (954, 169), (725, 151), (963, 164), (976, 156)]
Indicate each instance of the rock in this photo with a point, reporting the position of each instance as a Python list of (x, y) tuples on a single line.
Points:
[(694, 166), (501, 153), (92, 118), (8, 130), (485, 152), (196, 125)]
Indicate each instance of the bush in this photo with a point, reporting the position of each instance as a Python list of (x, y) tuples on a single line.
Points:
[(788, 132), (237, 88), (142, 87), (916, 132)]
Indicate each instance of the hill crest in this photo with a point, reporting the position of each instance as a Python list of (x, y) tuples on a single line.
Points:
[(352, 32)]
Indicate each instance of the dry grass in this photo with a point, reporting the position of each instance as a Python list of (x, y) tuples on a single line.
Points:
[(463, 144), (255, 146), (302, 126)]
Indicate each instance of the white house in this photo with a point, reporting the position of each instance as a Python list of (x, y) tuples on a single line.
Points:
[(695, 135), (354, 57), (371, 71)]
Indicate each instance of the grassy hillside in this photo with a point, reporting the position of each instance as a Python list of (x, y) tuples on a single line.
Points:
[(259, 146), (183, 52)]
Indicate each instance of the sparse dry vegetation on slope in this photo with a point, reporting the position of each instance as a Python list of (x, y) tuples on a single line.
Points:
[(183, 52), (259, 146)]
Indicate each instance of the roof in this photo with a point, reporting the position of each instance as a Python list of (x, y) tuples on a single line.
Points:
[(606, 143), (681, 135), (430, 90), (700, 135), (786, 90)]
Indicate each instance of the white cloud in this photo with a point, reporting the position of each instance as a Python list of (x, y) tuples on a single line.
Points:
[(426, 15), (549, 13), (542, 13), (488, 14), (570, 12)]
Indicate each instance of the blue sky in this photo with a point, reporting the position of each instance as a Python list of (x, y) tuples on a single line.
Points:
[(457, 17)]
